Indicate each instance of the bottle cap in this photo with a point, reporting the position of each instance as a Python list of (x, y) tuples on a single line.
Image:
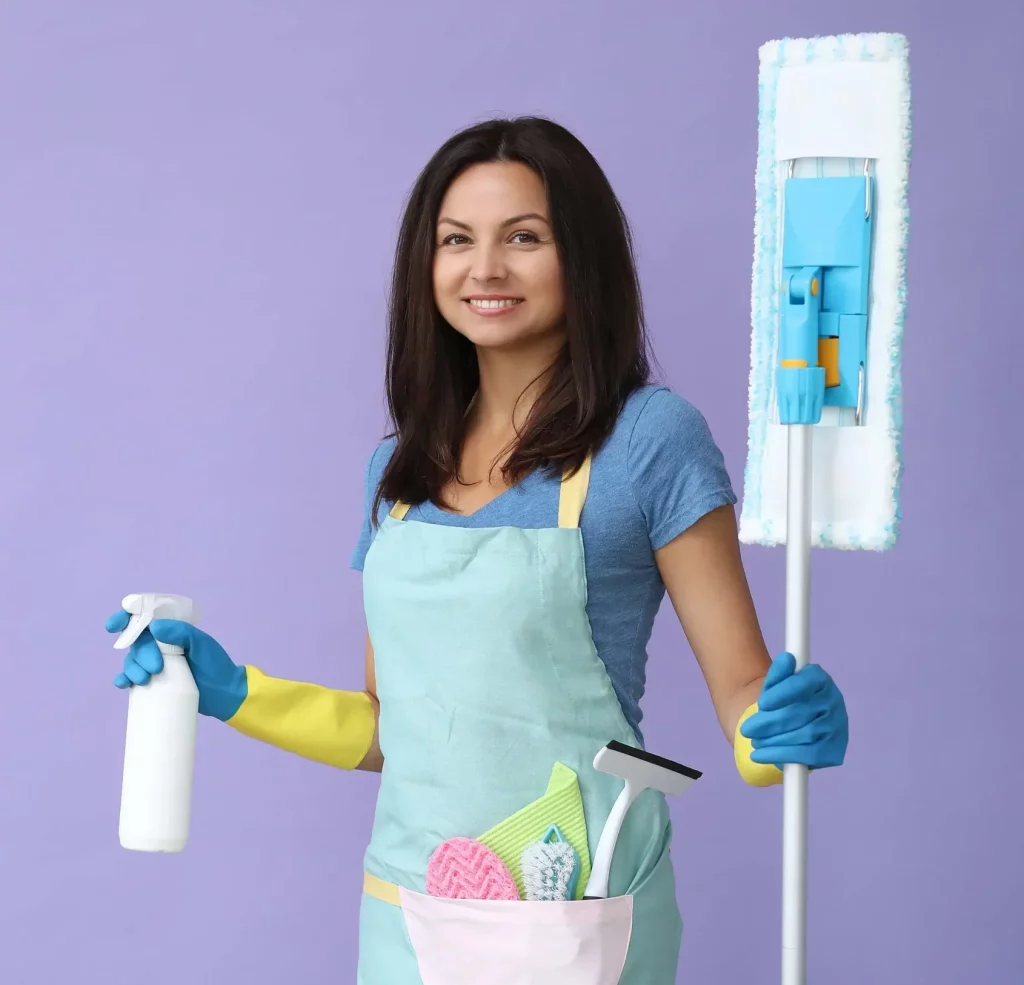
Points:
[(146, 607)]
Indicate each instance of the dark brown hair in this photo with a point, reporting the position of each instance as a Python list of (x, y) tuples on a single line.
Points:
[(432, 372)]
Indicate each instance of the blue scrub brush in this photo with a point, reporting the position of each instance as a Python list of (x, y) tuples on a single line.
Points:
[(551, 867)]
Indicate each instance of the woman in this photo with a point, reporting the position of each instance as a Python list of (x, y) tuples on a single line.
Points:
[(536, 500)]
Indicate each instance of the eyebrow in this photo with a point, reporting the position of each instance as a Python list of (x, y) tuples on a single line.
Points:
[(506, 223)]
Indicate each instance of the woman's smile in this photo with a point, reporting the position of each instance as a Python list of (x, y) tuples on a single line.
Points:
[(492, 306)]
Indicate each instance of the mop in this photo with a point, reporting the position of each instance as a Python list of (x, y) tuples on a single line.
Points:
[(827, 311)]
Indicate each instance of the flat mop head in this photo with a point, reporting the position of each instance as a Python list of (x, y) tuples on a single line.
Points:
[(645, 770), (828, 296)]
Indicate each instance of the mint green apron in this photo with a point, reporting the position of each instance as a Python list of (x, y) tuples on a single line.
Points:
[(487, 677)]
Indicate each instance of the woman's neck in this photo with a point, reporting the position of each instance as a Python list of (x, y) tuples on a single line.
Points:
[(510, 382)]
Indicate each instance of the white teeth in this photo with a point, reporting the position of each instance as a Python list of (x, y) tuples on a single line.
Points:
[(487, 303)]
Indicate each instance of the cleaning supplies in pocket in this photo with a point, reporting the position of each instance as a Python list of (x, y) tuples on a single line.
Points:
[(462, 868), (551, 867), (561, 805)]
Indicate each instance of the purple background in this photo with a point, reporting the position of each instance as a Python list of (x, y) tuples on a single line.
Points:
[(198, 204)]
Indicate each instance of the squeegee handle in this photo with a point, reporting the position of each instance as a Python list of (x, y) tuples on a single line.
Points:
[(600, 872), (795, 775)]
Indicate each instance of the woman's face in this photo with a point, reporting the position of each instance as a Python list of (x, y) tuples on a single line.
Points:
[(497, 275)]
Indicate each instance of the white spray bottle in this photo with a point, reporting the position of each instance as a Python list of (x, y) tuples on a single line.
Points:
[(160, 744)]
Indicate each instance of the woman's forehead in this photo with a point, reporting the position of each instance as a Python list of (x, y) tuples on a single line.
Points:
[(493, 193)]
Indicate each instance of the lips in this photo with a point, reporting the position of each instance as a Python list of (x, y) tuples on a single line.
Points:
[(493, 303)]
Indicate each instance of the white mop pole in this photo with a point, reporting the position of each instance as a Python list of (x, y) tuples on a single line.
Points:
[(798, 633)]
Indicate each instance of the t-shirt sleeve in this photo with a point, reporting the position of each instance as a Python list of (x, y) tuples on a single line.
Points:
[(676, 470), (374, 470)]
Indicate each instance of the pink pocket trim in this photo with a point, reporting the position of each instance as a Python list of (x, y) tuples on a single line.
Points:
[(504, 942)]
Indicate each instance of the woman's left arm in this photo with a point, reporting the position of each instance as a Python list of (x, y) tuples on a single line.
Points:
[(771, 713), (704, 577)]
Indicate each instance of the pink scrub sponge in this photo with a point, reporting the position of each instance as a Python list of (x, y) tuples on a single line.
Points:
[(462, 868)]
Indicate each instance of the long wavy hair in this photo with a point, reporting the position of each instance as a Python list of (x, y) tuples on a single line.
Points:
[(432, 373)]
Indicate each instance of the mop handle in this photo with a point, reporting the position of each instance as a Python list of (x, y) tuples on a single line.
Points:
[(800, 386), (798, 625)]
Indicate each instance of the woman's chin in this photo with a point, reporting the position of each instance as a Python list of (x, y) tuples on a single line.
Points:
[(500, 335)]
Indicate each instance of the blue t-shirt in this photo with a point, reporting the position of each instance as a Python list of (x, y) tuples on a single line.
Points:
[(657, 474)]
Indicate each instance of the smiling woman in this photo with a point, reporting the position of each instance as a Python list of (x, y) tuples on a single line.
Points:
[(538, 498), (514, 279), (498, 283), (505, 270)]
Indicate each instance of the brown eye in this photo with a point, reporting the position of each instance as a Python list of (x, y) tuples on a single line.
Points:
[(529, 237), (451, 238)]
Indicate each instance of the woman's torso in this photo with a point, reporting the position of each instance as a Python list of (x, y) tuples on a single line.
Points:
[(657, 474)]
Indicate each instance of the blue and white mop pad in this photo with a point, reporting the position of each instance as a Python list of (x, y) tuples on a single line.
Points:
[(831, 255)]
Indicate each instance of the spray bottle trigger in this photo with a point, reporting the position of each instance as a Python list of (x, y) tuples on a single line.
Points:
[(138, 622), (134, 603), (145, 607)]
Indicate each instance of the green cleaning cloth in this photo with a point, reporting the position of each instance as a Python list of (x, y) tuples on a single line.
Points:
[(561, 804)]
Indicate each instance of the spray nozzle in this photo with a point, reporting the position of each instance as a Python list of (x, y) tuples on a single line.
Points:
[(146, 607)]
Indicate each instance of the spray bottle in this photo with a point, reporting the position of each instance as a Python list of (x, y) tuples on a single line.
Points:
[(159, 752)]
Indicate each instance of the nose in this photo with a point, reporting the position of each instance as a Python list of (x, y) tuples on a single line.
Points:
[(488, 264)]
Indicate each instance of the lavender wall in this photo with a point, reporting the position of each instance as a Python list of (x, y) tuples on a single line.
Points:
[(198, 203)]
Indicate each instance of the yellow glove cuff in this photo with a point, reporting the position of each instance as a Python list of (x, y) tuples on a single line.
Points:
[(756, 774), (315, 722)]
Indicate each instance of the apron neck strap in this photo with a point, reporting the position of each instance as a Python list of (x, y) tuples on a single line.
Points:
[(399, 510), (572, 494)]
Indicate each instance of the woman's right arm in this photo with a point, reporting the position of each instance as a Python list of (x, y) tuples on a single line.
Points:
[(373, 761), (327, 725)]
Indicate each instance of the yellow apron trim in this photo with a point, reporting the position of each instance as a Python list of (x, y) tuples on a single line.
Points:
[(571, 496), (386, 892)]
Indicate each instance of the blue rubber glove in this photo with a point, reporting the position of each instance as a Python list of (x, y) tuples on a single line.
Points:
[(222, 683), (801, 717)]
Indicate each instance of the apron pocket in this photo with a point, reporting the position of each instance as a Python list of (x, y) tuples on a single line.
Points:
[(499, 942)]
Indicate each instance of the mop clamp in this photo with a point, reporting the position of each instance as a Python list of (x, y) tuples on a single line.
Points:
[(801, 381), (826, 263)]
